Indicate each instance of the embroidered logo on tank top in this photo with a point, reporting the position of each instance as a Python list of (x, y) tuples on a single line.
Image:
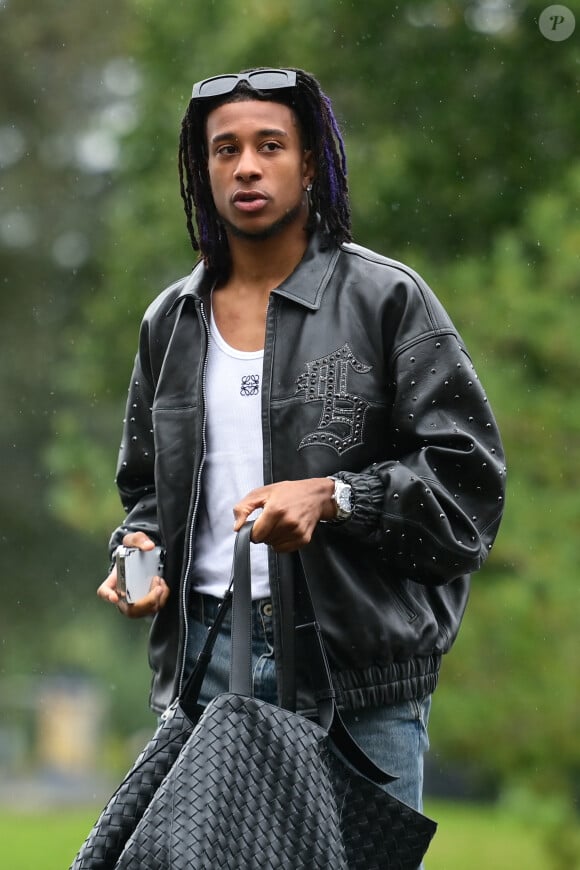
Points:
[(342, 417), (250, 385)]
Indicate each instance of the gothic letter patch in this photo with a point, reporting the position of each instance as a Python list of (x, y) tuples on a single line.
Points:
[(341, 421)]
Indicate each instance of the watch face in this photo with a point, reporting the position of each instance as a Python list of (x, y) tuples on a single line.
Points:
[(343, 498)]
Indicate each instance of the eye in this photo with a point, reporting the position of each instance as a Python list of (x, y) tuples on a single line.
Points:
[(226, 150), (270, 147)]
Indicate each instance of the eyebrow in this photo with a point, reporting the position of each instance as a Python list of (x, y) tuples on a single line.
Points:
[(223, 137)]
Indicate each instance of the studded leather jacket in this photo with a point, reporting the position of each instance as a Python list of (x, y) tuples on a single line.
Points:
[(364, 376)]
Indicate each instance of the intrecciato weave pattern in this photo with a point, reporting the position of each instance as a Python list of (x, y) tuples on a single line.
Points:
[(253, 786), (258, 787), (378, 830), (126, 807)]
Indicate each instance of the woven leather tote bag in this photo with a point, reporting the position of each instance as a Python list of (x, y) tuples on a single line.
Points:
[(259, 787)]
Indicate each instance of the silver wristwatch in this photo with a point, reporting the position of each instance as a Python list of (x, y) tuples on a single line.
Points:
[(342, 498)]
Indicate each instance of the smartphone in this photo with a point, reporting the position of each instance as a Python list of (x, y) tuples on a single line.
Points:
[(136, 569)]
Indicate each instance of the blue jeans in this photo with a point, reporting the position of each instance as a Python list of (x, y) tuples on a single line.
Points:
[(394, 736), (202, 611)]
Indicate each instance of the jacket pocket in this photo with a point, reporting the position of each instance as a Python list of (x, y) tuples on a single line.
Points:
[(403, 605)]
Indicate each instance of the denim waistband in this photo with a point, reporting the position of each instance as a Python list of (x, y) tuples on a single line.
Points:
[(204, 608)]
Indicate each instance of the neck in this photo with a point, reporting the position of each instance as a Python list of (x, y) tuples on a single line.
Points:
[(268, 263), (263, 263)]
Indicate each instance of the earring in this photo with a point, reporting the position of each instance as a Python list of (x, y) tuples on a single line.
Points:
[(309, 188)]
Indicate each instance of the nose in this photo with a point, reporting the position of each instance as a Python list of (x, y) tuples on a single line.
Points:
[(247, 166)]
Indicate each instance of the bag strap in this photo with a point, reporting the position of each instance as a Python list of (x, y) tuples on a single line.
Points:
[(241, 681), (241, 567), (192, 687), (310, 635), (241, 657), (241, 636), (242, 639), (329, 714), (287, 630)]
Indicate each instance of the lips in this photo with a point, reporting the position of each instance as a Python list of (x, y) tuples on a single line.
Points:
[(249, 200)]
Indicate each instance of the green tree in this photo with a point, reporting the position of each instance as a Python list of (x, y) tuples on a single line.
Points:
[(442, 154), (64, 102), (506, 694)]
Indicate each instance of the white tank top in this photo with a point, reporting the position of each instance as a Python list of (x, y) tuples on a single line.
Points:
[(233, 464)]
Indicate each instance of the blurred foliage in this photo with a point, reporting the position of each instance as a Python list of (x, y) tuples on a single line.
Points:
[(507, 685), (460, 122), (553, 815), (65, 101)]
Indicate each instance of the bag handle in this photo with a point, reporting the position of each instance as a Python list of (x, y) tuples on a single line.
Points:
[(241, 682), (189, 694), (241, 659), (242, 656), (311, 635)]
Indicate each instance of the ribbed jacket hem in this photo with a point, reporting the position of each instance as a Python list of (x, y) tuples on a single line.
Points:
[(378, 686)]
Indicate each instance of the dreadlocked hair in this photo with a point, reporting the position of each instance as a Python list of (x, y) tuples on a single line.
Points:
[(329, 197)]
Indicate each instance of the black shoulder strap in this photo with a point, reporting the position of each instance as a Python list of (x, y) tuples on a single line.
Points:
[(241, 658), (285, 563), (329, 715), (192, 687)]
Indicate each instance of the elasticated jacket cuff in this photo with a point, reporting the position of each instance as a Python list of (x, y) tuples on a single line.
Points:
[(368, 494)]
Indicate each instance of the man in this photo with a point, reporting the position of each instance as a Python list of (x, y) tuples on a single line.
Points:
[(297, 375)]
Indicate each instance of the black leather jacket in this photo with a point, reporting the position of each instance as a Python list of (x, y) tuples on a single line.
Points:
[(365, 376)]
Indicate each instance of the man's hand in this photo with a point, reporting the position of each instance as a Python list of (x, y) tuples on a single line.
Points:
[(150, 603), (291, 511)]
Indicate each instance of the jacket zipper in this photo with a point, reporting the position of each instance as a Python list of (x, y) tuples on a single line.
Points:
[(269, 340), (196, 495)]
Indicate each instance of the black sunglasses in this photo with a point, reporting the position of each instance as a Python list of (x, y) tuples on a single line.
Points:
[(259, 79)]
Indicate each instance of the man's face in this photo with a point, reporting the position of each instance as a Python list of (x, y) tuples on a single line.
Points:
[(258, 167)]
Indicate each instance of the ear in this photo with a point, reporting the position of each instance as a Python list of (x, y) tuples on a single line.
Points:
[(308, 167)]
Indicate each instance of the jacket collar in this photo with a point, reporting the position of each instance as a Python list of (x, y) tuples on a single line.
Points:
[(306, 284)]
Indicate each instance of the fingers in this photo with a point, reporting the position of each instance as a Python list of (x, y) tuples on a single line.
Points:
[(291, 511), (139, 540), (149, 605), (108, 588), (283, 533), (251, 502)]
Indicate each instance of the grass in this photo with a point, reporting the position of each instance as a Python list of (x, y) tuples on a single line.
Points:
[(43, 841), (469, 838)]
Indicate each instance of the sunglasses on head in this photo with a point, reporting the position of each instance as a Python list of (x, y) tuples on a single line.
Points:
[(259, 79)]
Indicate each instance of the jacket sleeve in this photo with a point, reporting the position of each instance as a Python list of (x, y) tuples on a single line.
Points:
[(434, 508), (136, 463)]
